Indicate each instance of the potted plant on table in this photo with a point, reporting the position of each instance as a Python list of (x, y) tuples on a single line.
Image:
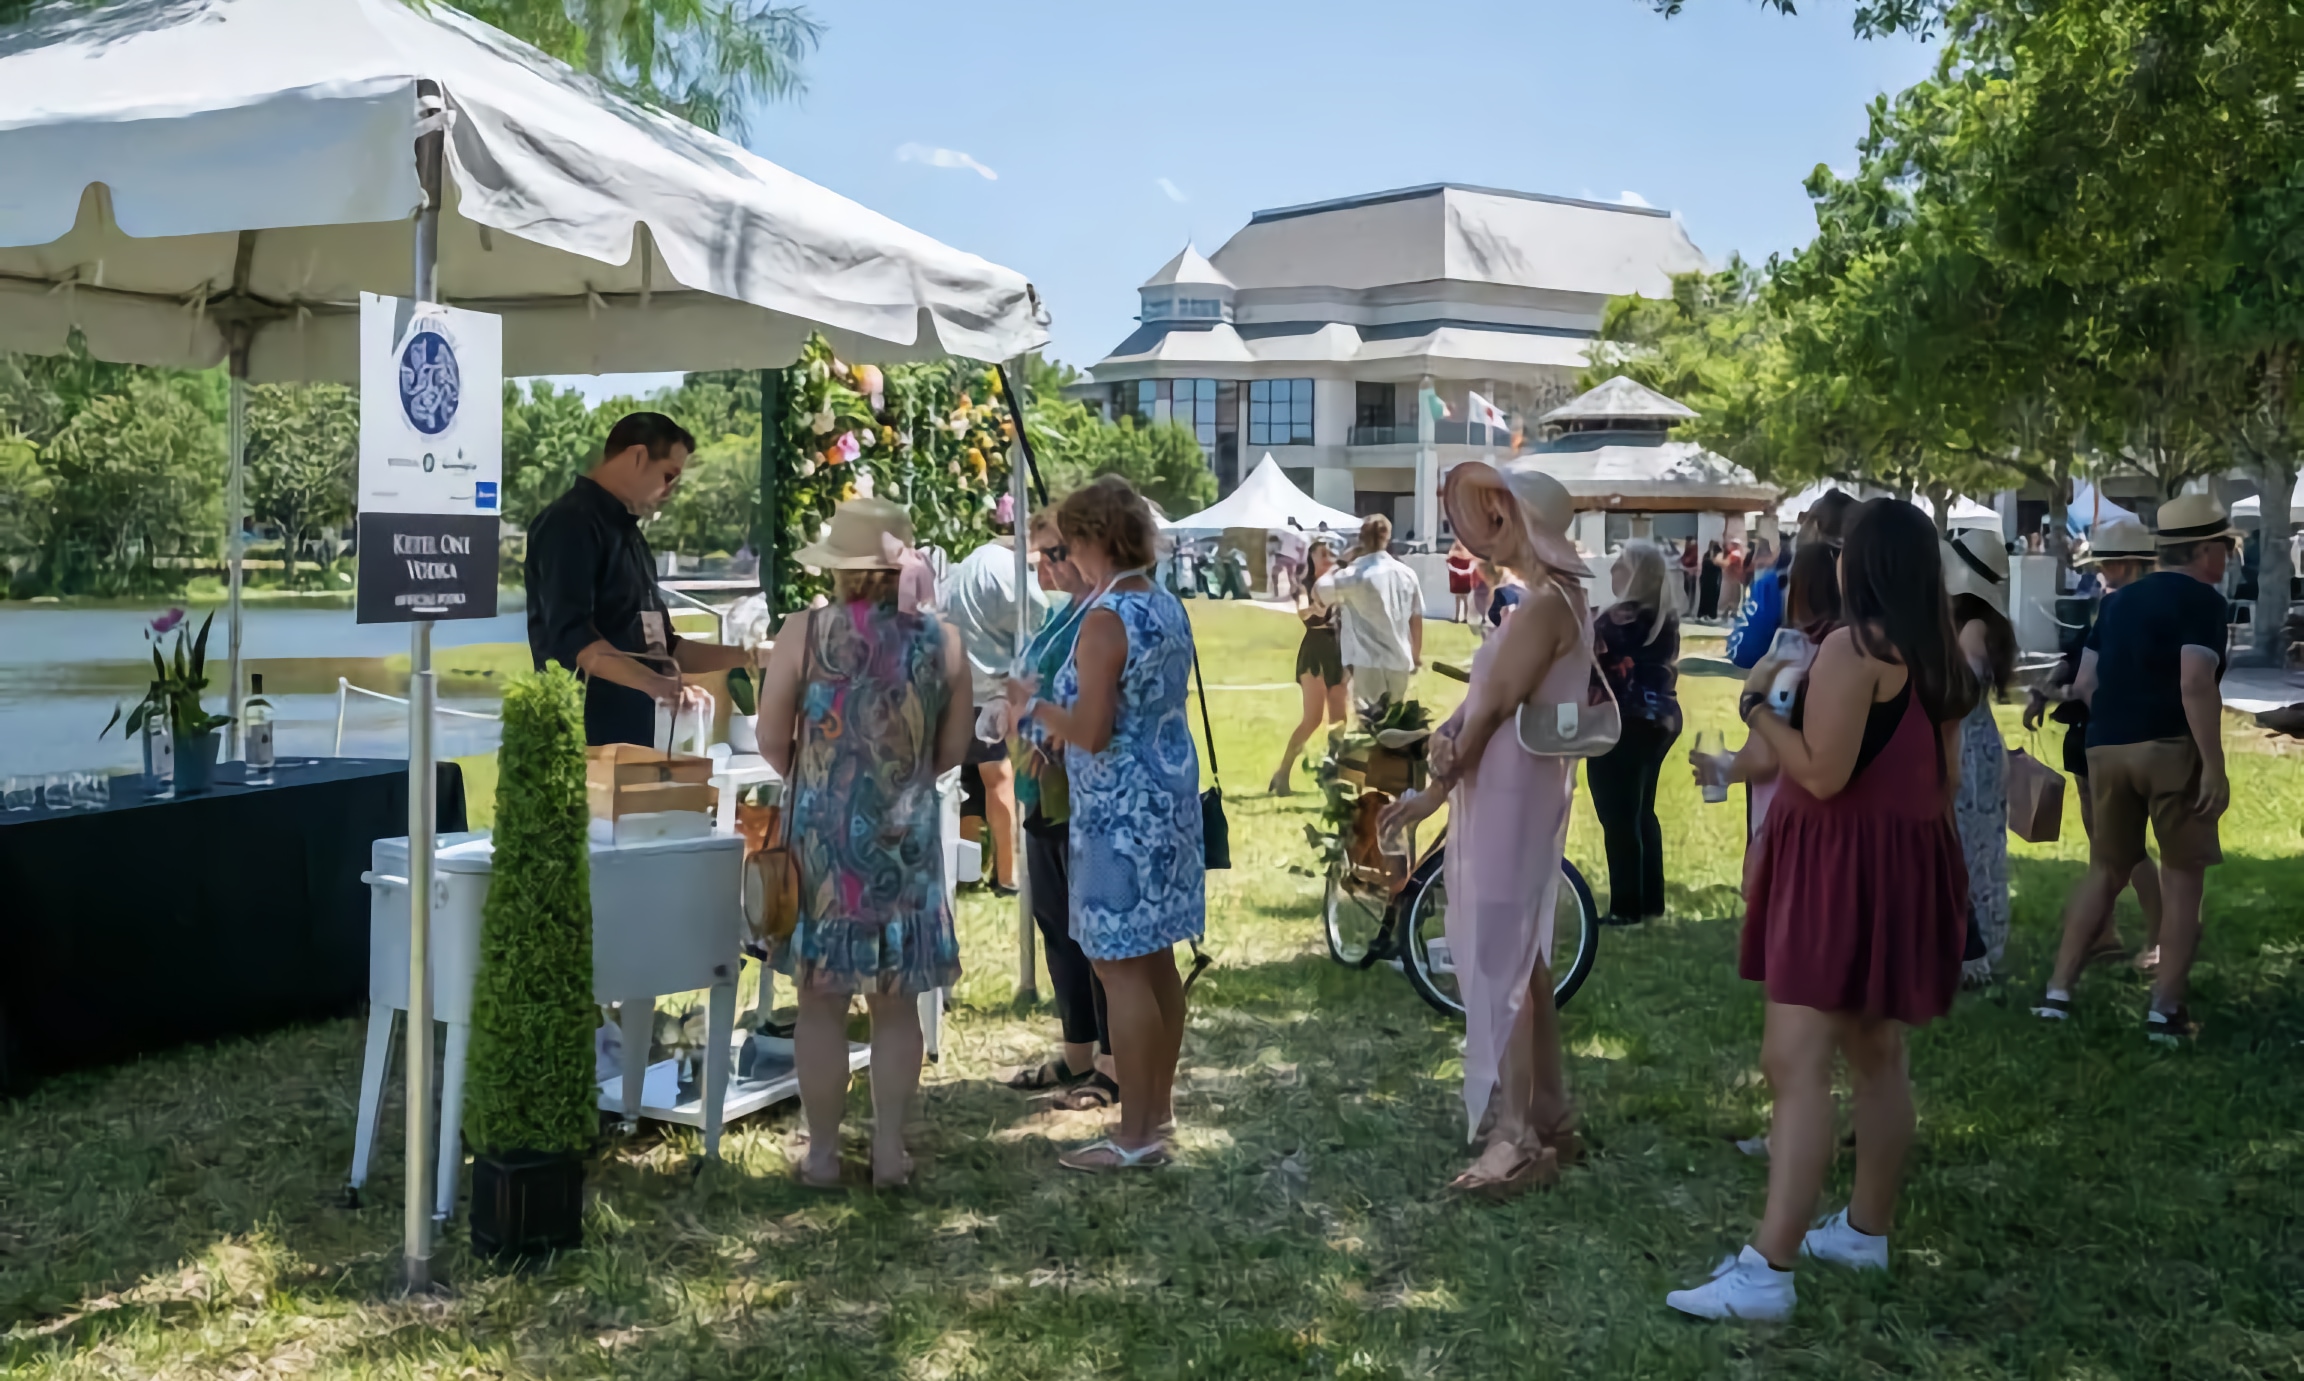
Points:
[(530, 1103), (174, 703)]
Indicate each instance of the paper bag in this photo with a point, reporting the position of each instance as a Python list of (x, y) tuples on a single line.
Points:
[(2035, 798)]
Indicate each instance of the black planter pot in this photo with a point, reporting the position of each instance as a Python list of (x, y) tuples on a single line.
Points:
[(526, 1203)]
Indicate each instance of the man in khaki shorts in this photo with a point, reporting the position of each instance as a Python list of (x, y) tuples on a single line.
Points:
[(2155, 752)]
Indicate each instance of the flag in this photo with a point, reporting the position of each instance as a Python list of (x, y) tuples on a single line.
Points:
[(1487, 414), (1434, 405)]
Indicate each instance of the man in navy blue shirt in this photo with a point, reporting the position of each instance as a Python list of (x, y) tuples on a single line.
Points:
[(2149, 676)]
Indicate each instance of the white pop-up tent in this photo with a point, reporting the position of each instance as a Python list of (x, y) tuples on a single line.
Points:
[(1267, 500), (2252, 507), (188, 182), (1966, 512)]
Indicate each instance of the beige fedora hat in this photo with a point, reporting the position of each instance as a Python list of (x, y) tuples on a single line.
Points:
[(2194, 518), (866, 534), (1976, 563), (1544, 508), (2121, 537)]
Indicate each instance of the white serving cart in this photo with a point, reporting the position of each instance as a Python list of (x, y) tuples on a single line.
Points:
[(666, 918)]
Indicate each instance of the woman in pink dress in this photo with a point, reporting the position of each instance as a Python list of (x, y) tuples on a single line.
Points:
[(1507, 822)]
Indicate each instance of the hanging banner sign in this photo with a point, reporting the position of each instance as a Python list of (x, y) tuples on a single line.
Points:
[(431, 460)]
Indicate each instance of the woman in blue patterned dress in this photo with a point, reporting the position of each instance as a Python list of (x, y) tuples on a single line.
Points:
[(1137, 867), (859, 713)]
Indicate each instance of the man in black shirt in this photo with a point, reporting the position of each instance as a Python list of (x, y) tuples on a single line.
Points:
[(2155, 751), (592, 600)]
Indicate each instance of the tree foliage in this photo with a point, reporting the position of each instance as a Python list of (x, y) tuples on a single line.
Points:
[(138, 475), (1075, 445), (302, 461), (705, 61)]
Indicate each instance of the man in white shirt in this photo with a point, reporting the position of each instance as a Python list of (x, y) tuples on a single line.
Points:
[(1381, 623), (979, 598)]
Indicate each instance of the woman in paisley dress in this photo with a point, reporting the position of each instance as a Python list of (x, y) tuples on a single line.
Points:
[(1976, 577), (863, 704), (1137, 868)]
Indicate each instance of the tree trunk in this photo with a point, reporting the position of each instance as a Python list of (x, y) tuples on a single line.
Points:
[(2275, 477), (2059, 536)]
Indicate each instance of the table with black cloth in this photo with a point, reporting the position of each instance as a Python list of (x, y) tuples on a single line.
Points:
[(158, 921)]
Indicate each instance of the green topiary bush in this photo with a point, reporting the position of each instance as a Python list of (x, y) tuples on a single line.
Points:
[(529, 1084)]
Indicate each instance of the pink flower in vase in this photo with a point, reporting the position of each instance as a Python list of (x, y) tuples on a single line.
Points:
[(848, 447)]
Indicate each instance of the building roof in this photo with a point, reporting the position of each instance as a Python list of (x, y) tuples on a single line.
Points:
[(1448, 231), (1608, 470), (1189, 266), (1620, 399), (1191, 343)]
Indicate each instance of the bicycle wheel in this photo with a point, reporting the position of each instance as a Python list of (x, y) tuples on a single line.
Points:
[(1354, 918), (1431, 966)]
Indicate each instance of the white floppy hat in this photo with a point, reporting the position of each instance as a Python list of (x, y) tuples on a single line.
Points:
[(865, 534), (1544, 507), (1976, 563)]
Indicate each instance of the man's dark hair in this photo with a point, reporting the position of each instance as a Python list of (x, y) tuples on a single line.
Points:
[(2175, 556), (651, 429)]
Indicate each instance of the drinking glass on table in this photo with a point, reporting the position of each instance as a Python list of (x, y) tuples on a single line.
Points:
[(20, 793), (91, 790), (56, 791), (1712, 764)]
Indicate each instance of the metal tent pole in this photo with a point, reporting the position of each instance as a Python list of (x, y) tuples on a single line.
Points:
[(235, 510), (417, 1209), (769, 519), (1019, 476)]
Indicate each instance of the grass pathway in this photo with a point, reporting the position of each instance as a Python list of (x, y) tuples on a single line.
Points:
[(2081, 1206)]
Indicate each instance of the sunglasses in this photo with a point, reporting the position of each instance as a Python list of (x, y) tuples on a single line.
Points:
[(1055, 552)]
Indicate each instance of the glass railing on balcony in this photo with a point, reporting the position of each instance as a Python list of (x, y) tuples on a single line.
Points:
[(1447, 432)]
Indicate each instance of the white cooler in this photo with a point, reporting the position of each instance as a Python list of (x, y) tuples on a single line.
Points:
[(666, 918)]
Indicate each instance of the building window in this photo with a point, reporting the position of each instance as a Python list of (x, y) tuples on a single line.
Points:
[(1280, 412), (1373, 404), (1192, 402)]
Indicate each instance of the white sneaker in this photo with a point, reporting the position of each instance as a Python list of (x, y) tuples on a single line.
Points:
[(1834, 1241), (1743, 1286)]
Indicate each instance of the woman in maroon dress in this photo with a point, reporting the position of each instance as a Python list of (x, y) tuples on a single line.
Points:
[(1856, 901)]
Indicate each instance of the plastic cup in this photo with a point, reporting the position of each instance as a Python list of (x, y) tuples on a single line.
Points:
[(1711, 750)]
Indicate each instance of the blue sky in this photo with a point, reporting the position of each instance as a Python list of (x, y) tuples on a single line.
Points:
[(1083, 143)]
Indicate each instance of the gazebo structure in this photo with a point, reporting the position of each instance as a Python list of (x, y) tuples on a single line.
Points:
[(1612, 449)]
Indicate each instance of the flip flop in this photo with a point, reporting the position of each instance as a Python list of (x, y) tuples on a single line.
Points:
[(1148, 1156), (801, 1177), (1538, 1167), (1095, 1091), (1051, 1074)]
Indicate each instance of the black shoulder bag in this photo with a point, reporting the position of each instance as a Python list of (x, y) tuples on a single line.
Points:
[(1215, 830)]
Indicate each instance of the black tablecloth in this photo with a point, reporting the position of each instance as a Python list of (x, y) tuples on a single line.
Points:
[(160, 921)]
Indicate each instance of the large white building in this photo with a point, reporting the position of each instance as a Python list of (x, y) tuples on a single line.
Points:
[(1314, 331)]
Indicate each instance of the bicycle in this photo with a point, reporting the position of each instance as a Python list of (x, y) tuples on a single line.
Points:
[(1369, 922)]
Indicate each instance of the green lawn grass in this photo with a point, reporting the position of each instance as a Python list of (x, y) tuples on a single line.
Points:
[(2081, 1206)]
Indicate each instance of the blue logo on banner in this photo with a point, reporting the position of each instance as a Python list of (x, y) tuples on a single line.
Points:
[(483, 494), (430, 382)]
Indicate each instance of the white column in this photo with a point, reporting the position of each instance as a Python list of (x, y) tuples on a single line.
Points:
[(1427, 467)]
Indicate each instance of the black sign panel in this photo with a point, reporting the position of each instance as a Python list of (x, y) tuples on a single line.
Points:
[(426, 566)]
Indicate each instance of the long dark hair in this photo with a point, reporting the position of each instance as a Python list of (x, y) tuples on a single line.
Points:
[(1812, 588), (1999, 639), (1892, 599)]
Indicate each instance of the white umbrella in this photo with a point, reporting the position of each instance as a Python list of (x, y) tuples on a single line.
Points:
[(196, 181)]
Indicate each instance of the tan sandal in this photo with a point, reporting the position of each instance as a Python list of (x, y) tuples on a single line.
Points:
[(1563, 1139), (1530, 1169)]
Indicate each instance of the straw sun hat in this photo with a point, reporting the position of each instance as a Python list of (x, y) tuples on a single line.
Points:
[(2119, 538), (1544, 507), (2194, 518), (1976, 563), (866, 534)]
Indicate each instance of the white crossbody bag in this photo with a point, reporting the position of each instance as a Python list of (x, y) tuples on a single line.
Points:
[(1584, 728)]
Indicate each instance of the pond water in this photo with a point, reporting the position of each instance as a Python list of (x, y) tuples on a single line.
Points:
[(63, 667)]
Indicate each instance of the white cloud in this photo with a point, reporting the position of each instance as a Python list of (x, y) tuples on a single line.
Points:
[(943, 158), (1632, 199), (1173, 192)]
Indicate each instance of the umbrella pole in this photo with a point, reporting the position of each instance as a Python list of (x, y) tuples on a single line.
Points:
[(235, 506), (1020, 472), (417, 1207)]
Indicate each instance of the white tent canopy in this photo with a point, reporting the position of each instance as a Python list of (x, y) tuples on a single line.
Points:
[(1966, 512), (2253, 506), (181, 169), (1267, 500)]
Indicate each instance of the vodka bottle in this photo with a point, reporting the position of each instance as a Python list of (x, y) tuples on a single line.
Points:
[(256, 733), (159, 747)]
